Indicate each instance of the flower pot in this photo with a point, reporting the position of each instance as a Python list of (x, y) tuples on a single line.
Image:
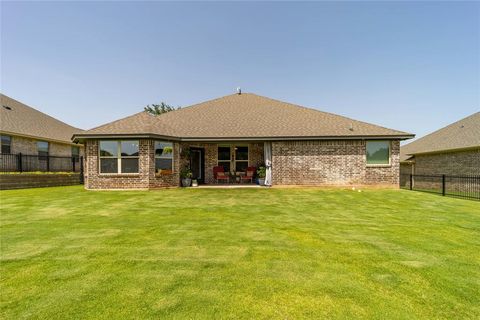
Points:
[(261, 181), (194, 183), (186, 182)]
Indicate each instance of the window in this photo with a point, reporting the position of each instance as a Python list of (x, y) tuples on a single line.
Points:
[(236, 161), (163, 156), (378, 152), (119, 156), (76, 153), (224, 157), (42, 148), (241, 158), (6, 144)]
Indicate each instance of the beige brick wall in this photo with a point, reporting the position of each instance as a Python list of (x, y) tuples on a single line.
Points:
[(405, 171), (449, 163), (330, 162), (61, 150), (406, 168), (23, 145), (29, 146)]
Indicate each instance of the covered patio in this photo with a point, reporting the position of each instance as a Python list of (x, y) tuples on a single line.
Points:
[(224, 163)]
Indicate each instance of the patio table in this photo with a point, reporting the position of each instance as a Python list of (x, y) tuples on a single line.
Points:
[(235, 176)]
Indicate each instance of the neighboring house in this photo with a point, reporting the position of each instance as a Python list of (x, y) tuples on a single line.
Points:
[(31, 132), (452, 150), (304, 146)]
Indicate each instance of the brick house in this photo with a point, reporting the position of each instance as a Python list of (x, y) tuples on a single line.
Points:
[(31, 132), (452, 150), (304, 146)]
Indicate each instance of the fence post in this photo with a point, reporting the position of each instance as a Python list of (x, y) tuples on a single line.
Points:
[(19, 162), (48, 163), (81, 170), (443, 184), (411, 181), (73, 163)]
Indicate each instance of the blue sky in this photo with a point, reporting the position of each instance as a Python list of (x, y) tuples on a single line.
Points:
[(412, 66)]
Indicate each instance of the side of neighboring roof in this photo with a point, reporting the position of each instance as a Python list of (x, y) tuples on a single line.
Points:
[(460, 135), (244, 116), (20, 119)]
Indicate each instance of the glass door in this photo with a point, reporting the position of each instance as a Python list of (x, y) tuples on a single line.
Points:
[(241, 158), (224, 157), (197, 163)]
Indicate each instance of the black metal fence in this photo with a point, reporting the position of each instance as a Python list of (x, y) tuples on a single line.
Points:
[(30, 163), (455, 186)]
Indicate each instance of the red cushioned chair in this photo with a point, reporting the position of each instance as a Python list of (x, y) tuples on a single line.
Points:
[(249, 174), (219, 174)]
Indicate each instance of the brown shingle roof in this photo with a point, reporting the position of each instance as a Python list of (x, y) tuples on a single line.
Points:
[(245, 116), (462, 134), (23, 120)]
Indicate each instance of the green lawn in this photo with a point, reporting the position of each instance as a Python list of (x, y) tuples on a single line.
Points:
[(239, 254)]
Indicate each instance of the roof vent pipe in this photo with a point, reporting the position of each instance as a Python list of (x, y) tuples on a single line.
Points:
[(239, 90)]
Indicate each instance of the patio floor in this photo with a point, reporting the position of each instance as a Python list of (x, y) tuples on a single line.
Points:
[(230, 185)]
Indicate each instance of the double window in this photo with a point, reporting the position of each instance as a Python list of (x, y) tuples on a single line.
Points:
[(378, 152), (163, 157), (236, 161), (6, 144), (119, 156)]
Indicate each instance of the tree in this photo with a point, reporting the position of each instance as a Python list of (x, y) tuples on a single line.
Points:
[(158, 109)]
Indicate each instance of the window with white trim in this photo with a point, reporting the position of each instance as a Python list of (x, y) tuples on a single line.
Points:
[(163, 157), (378, 152), (119, 156)]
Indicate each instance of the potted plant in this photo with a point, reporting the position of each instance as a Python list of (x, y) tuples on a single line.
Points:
[(194, 183), (261, 173), (186, 175)]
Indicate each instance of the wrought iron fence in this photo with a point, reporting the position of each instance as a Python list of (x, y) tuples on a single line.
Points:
[(455, 186), (10, 162)]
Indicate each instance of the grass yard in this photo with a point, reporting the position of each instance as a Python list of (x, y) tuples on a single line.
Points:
[(67, 253)]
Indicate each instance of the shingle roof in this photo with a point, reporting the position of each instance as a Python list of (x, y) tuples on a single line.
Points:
[(18, 118), (243, 116), (462, 134)]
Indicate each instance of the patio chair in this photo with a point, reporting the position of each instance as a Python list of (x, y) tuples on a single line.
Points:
[(249, 174), (219, 174)]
